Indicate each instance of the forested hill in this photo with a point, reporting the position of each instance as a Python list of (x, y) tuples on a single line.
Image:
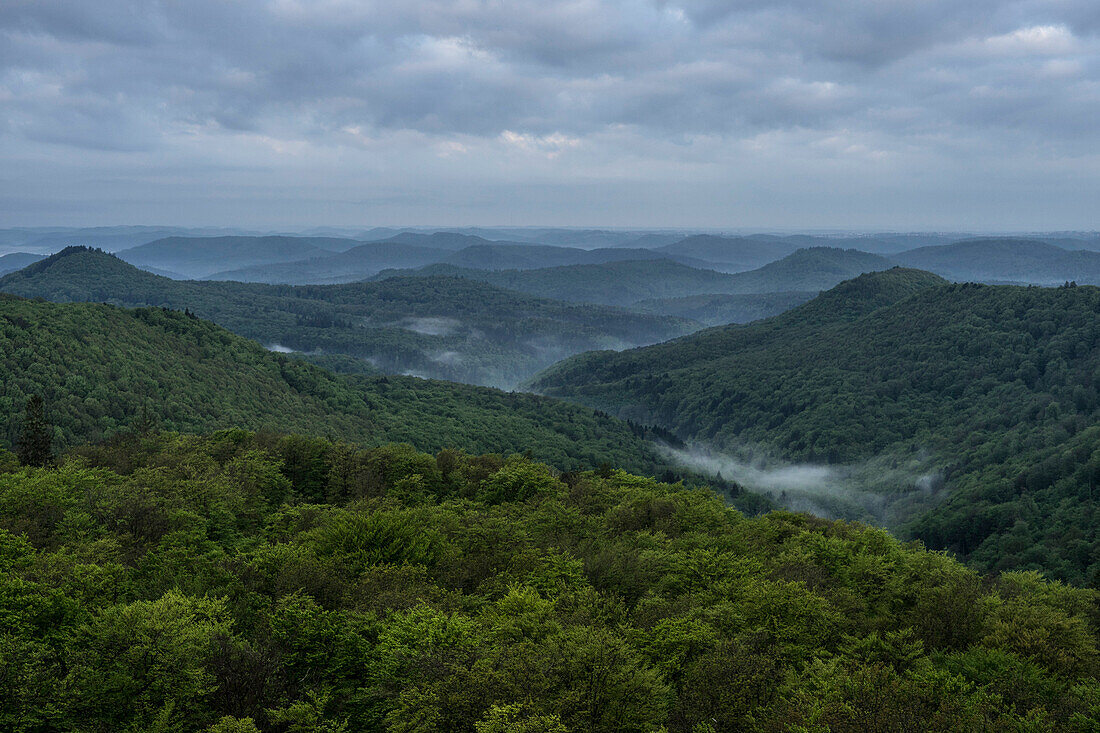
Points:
[(239, 583), (102, 369), (445, 328), (1007, 260), (717, 310), (813, 268), (998, 383), (201, 256), (16, 261), (626, 283)]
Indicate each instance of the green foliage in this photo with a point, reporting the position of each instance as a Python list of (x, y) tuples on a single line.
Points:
[(990, 388), (104, 371), (35, 446), (180, 583), (717, 310), (444, 328)]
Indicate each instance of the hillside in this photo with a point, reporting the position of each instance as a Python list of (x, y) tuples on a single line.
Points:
[(811, 269), (437, 327), (746, 252), (358, 263), (369, 259), (628, 282), (1006, 260), (100, 368), (17, 261), (717, 310), (613, 283), (511, 256), (734, 253), (202, 256), (992, 388), (241, 582), (46, 240)]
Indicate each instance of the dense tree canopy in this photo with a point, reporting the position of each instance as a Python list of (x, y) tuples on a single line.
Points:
[(264, 582), (994, 387), (101, 370)]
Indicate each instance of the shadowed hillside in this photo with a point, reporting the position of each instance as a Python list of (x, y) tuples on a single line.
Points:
[(991, 387)]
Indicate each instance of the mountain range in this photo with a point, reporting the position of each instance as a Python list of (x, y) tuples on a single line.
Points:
[(449, 328)]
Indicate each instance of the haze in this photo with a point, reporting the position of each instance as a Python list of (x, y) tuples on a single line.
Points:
[(931, 115)]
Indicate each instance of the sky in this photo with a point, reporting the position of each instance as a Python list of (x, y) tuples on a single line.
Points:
[(790, 114)]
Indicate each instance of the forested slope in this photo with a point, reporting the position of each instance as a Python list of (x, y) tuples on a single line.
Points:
[(445, 328), (717, 310), (626, 283), (101, 369), (995, 385), (201, 256), (1007, 260), (243, 583)]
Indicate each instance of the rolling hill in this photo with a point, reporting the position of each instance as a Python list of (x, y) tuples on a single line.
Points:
[(99, 368), (358, 263), (746, 252), (201, 256), (447, 328), (717, 310), (991, 389), (628, 282), (410, 251), (511, 256), (733, 254), (17, 261), (46, 240), (1006, 260)]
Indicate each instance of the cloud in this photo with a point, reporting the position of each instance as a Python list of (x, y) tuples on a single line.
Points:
[(577, 91)]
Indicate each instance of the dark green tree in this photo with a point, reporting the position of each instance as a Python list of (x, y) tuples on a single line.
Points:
[(35, 442)]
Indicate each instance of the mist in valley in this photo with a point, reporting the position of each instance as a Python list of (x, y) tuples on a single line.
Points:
[(885, 490)]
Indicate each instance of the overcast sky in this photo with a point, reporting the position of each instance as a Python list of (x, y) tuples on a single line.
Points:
[(863, 114)]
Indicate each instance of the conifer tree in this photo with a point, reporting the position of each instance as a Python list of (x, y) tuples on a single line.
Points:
[(35, 442)]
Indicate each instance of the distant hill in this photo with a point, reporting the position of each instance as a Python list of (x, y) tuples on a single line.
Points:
[(411, 250), (628, 282), (716, 310), (1006, 260), (513, 256), (108, 238), (816, 268), (746, 252), (451, 241), (357, 263), (447, 328), (562, 237), (611, 283), (17, 261), (989, 389), (202, 256), (99, 368), (732, 253)]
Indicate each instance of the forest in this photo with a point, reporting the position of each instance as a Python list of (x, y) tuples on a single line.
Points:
[(443, 328), (200, 533), (993, 387), (241, 582), (101, 370)]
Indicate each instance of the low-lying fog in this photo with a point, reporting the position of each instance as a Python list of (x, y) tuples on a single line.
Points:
[(886, 490)]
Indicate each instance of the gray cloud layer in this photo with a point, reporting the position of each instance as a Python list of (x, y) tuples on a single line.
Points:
[(708, 112)]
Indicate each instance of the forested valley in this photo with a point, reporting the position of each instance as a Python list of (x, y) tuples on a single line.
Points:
[(222, 510)]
